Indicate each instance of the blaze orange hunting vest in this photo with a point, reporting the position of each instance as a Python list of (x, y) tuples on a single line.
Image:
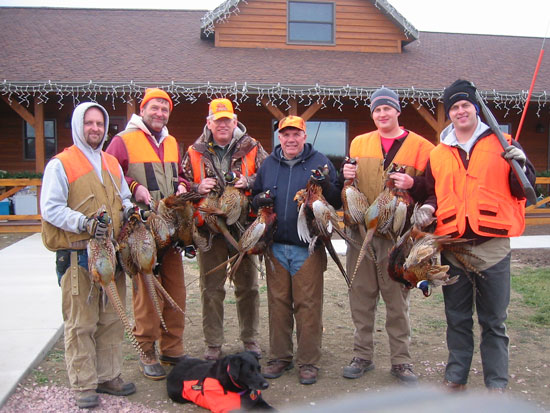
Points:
[(160, 177), (367, 148), (86, 195), (480, 193)]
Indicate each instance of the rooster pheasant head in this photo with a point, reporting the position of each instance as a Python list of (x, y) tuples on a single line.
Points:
[(265, 199), (103, 216), (230, 177), (393, 169), (349, 160), (320, 174)]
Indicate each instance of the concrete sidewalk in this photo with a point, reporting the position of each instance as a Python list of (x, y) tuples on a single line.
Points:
[(30, 307)]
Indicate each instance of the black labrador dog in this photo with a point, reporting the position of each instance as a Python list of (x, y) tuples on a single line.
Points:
[(231, 383)]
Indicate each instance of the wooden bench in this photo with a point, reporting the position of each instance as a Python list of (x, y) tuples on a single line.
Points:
[(20, 223), (538, 214)]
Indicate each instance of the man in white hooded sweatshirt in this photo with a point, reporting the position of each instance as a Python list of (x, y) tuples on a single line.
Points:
[(76, 183)]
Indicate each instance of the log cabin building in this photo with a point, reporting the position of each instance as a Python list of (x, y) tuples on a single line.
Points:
[(320, 59)]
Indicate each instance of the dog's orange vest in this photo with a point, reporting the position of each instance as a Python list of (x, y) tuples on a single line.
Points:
[(211, 395)]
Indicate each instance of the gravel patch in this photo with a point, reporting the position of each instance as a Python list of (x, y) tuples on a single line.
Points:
[(55, 399)]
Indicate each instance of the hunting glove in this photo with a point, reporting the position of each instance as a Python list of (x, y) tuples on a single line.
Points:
[(513, 152), (424, 216), (95, 228)]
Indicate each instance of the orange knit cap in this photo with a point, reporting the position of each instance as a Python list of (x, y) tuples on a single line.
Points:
[(154, 93)]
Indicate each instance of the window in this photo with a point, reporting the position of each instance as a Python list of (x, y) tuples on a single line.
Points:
[(505, 128), (310, 22), (328, 137), (49, 140)]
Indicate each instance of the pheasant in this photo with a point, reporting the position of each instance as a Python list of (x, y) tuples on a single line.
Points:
[(102, 269), (354, 202), (317, 218), (138, 257), (415, 260), (387, 216), (256, 238), (233, 202), (214, 219), (178, 211)]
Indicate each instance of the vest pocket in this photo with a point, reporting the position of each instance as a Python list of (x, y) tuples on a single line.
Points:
[(446, 218), (493, 226), (488, 207)]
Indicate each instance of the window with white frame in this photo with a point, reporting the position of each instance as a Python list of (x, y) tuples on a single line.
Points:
[(50, 141), (329, 137), (310, 22)]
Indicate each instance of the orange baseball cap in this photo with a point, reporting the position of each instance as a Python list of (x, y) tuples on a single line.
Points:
[(221, 108), (292, 122), (154, 93)]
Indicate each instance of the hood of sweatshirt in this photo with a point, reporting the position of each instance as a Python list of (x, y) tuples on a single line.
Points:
[(448, 135), (77, 124)]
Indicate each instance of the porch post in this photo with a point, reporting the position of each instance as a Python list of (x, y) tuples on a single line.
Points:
[(39, 146)]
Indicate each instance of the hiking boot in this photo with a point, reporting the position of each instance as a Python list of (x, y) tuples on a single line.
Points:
[(87, 399), (357, 367), (171, 361), (453, 387), (404, 372), (308, 374), (276, 368), (150, 366), (213, 353), (253, 347), (116, 387)]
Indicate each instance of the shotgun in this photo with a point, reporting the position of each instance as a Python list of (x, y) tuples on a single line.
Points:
[(516, 167)]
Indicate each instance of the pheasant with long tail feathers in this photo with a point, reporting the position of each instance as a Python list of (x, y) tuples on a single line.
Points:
[(317, 219), (354, 203), (138, 257), (387, 216), (102, 269), (256, 238), (415, 260)]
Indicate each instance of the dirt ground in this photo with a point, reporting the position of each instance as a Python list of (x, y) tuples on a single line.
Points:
[(529, 347)]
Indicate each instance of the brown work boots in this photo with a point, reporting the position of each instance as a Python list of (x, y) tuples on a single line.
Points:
[(357, 367), (276, 368), (116, 387), (404, 372), (150, 366)]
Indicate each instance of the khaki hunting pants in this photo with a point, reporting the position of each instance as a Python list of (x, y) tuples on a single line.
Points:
[(93, 330), (148, 328), (363, 298), (213, 294)]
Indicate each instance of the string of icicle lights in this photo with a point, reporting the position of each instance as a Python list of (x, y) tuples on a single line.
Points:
[(277, 95)]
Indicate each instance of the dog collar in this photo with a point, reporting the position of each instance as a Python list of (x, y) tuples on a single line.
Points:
[(233, 380)]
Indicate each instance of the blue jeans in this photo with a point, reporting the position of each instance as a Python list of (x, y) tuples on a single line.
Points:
[(291, 257), (63, 261)]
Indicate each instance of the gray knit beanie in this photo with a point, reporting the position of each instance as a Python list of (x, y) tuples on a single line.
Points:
[(384, 96)]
